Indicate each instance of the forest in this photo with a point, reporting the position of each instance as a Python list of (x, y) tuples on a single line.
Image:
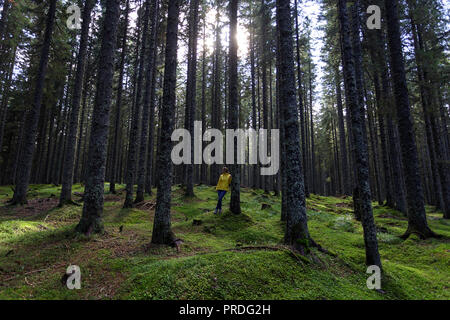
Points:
[(346, 196)]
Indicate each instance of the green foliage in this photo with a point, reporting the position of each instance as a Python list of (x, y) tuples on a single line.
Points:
[(225, 257)]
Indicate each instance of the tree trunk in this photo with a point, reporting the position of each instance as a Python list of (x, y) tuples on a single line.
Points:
[(253, 85), (162, 233), (342, 140), (67, 179), (133, 155), (312, 187), (359, 145), (204, 168), (300, 99), (3, 19), (150, 67), (233, 115), (32, 118), (440, 171), (417, 221), (297, 233), (91, 220), (265, 23), (191, 91), (151, 128), (116, 155), (5, 96)]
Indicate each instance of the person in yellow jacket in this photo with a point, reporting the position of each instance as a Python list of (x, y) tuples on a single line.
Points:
[(223, 185)]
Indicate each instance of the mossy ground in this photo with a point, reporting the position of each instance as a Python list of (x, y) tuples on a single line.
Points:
[(38, 242)]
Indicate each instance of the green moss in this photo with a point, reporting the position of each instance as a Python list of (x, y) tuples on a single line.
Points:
[(342, 224), (209, 266)]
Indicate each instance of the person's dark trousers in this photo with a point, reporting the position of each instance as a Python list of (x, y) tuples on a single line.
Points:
[(221, 194)]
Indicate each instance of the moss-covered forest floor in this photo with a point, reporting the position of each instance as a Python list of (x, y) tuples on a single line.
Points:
[(224, 257)]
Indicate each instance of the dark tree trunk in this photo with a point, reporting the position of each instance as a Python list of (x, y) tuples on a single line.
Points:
[(359, 145), (253, 85), (342, 140), (151, 128), (91, 220), (357, 56), (312, 187), (233, 115), (265, 22), (77, 175), (417, 221), (381, 127), (436, 149), (374, 145), (443, 168), (297, 233), (67, 178), (283, 182), (217, 91), (5, 96), (191, 91), (32, 117), (300, 100), (150, 61), (3, 19), (136, 114), (204, 173), (117, 128), (162, 233)]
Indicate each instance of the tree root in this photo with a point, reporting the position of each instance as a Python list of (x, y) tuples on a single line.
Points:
[(422, 235), (301, 259)]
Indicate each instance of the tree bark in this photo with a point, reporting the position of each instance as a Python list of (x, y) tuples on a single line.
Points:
[(297, 233), (300, 99), (162, 233), (342, 140), (417, 221), (91, 220), (32, 117), (191, 91), (68, 167), (150, 67), (204, 168), (233, 115), (133, 155), (118, 115), (359, 145), (253, 88)]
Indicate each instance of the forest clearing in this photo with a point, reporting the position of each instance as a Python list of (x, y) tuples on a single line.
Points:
[(221, 257)]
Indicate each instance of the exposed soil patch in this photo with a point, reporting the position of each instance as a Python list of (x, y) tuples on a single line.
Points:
[(146, 205), (32, 208), (127, 244), (112, 198)]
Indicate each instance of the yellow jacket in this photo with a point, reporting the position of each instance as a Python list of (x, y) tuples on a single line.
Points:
[(224, 182)]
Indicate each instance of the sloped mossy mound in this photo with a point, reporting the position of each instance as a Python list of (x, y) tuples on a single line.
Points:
[(256, 274)]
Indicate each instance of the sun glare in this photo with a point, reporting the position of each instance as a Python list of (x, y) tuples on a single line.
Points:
[(242, 35)]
